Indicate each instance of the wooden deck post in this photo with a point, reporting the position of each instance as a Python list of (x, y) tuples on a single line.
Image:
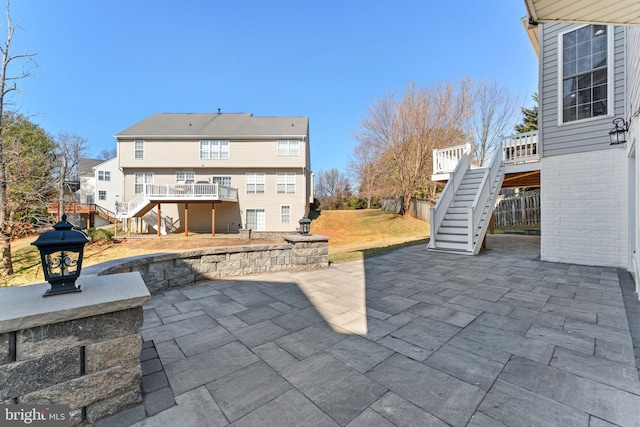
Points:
[(213, 219), (186, 219), (159, 219), (128, 227)]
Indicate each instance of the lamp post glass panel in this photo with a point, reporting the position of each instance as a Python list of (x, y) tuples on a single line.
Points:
[(305, 226), (61, 252)]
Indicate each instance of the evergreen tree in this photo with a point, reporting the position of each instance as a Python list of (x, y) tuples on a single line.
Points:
[(529, 118)]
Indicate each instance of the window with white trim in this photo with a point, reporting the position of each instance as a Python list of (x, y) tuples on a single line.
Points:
[(255, 182), (285, 214), (585, 61), (288, 148), (221, 180), (138, 149), (256, 219), (140, 179), (188, 177), (214, 149), (286, 182), (104, 176), (102, 195)]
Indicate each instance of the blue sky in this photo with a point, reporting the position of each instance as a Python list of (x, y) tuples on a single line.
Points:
[(105, 65)]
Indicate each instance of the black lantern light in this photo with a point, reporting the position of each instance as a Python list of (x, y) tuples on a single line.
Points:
[(618, 133), (305, 226), (61, 252)]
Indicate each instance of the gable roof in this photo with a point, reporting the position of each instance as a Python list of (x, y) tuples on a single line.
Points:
[(86, 165), (216, 125)]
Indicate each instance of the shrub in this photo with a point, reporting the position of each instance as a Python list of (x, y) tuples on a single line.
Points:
[(100, 235)]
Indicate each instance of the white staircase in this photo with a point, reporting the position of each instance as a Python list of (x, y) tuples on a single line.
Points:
[(460, 219)]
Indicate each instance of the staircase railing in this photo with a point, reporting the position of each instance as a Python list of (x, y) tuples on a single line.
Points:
[(488, 188), (520, 148), (446, 197)]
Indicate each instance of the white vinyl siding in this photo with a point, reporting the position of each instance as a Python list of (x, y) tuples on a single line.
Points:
[(584, 63), (214, 149), (222, 180), (141, 178), (185, 176), (288, 148), (138, 149), (255, 183), (286, 182), (285, 214), (256, 219)]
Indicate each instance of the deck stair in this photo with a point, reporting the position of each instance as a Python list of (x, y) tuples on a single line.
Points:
[(460, 219)]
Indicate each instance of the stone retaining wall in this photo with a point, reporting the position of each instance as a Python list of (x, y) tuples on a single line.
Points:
[(81, 350), (162, 271)]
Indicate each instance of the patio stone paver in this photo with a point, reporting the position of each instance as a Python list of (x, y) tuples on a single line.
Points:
[(403, 339)]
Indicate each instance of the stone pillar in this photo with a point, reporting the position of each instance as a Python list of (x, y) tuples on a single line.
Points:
[(81, 350), (308, 252)]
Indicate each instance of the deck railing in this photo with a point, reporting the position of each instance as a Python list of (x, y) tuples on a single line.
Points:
[(520, 148), (175, 192), (446, 159)]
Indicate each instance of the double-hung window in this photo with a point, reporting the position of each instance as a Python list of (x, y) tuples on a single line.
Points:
[(286, 182), (214, 149), (288, 148), (102, 195), (138, 149), (285, 214), (188, 177), (255, 183), (104, 176), (221, 180), (140, 179), (584, 69)]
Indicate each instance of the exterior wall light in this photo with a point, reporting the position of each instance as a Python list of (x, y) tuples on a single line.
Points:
[(305, 226), (61, 252), (619, 132)]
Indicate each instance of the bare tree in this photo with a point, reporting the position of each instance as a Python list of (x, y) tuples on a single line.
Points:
[(403, 134), (70, 147), (495, 114), (8, 84), (364, 170), (108, 154), (331, 189)]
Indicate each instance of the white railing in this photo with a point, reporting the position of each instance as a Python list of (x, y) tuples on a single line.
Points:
[(446, 159), (184, 192), (520, 148), (485, 197), (446, 197)]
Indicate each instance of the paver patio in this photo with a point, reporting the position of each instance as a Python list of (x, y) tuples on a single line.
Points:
[(410, 338)]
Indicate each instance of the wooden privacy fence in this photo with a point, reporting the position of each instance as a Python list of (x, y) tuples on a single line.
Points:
[(518, 209), (419, 208)]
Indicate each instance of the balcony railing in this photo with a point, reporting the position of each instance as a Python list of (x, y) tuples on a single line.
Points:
[(446, 159), (516, 149), (177, 192)]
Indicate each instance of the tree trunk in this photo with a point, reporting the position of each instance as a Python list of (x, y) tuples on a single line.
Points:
[(6, 255)]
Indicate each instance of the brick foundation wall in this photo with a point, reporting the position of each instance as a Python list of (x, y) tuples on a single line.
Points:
[(584, 208)]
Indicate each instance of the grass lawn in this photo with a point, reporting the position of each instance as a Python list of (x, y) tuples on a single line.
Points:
[(354, 235), (362, 233)]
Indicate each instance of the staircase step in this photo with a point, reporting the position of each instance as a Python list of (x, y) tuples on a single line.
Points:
[(455, 216), (454, 223), (454, 238), (453, 229), (464, 191), (451, 245), (457, 210)]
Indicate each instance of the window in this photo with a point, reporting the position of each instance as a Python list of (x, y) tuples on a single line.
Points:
[(255, 183), (288, 148), (186, 177), (285, 214), (256, 219), (90, 199), (102, 195), (214, 149), (222, 180), (286, 182), (584, 73), (104, 176), (138, 149), (140, 179)]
